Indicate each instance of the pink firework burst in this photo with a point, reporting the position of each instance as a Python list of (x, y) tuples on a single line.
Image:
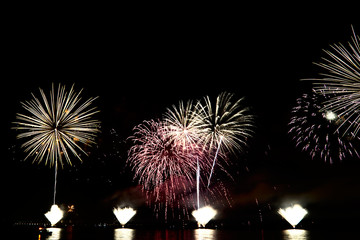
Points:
[(156, 156), (165, 168), (316, 131)]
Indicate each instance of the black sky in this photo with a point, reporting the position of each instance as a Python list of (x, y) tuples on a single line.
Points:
[(138, 67)]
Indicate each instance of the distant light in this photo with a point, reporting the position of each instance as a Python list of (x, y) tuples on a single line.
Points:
[(330, 115)]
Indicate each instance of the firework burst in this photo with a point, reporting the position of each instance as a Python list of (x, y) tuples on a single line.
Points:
[(225, 125), (167, 154), (341, 81), (155, 156), (316, 131), (167, 169), (183, 125), (227, 121), (55, 127)]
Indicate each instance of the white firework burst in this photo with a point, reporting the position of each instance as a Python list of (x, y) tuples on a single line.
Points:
[(341, 81), (227, 124), (182, 122), (55, 127)]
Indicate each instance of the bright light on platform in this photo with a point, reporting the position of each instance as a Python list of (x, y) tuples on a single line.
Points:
[(54, 215), (123, 215), (293, 214), (204, 215)]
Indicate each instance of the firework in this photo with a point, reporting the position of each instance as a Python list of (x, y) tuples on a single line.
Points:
[(123, 215), (225, 126), (341, 81), (167, 169), (55, 128), (183, 124), (167, 154), (316, 131), (293, 214), (204, 215), (164, 168), (155, 156), (54, 215), (228, 122)]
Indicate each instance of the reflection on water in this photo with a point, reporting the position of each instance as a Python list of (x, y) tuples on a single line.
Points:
[(55, 233), (295, 234), (123, 234), (173, 234), (204, 234)]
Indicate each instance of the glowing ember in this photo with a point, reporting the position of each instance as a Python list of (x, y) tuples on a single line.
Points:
[(123, 215), (54, 215), (293, 214), (204, 215)]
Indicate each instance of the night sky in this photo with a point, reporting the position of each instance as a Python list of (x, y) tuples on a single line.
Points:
[(138, 68)]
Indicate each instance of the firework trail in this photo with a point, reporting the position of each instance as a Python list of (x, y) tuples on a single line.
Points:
[(55, 128), (225, 126), (315, 131), (214, 161), (198, 184), (341, 81)]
